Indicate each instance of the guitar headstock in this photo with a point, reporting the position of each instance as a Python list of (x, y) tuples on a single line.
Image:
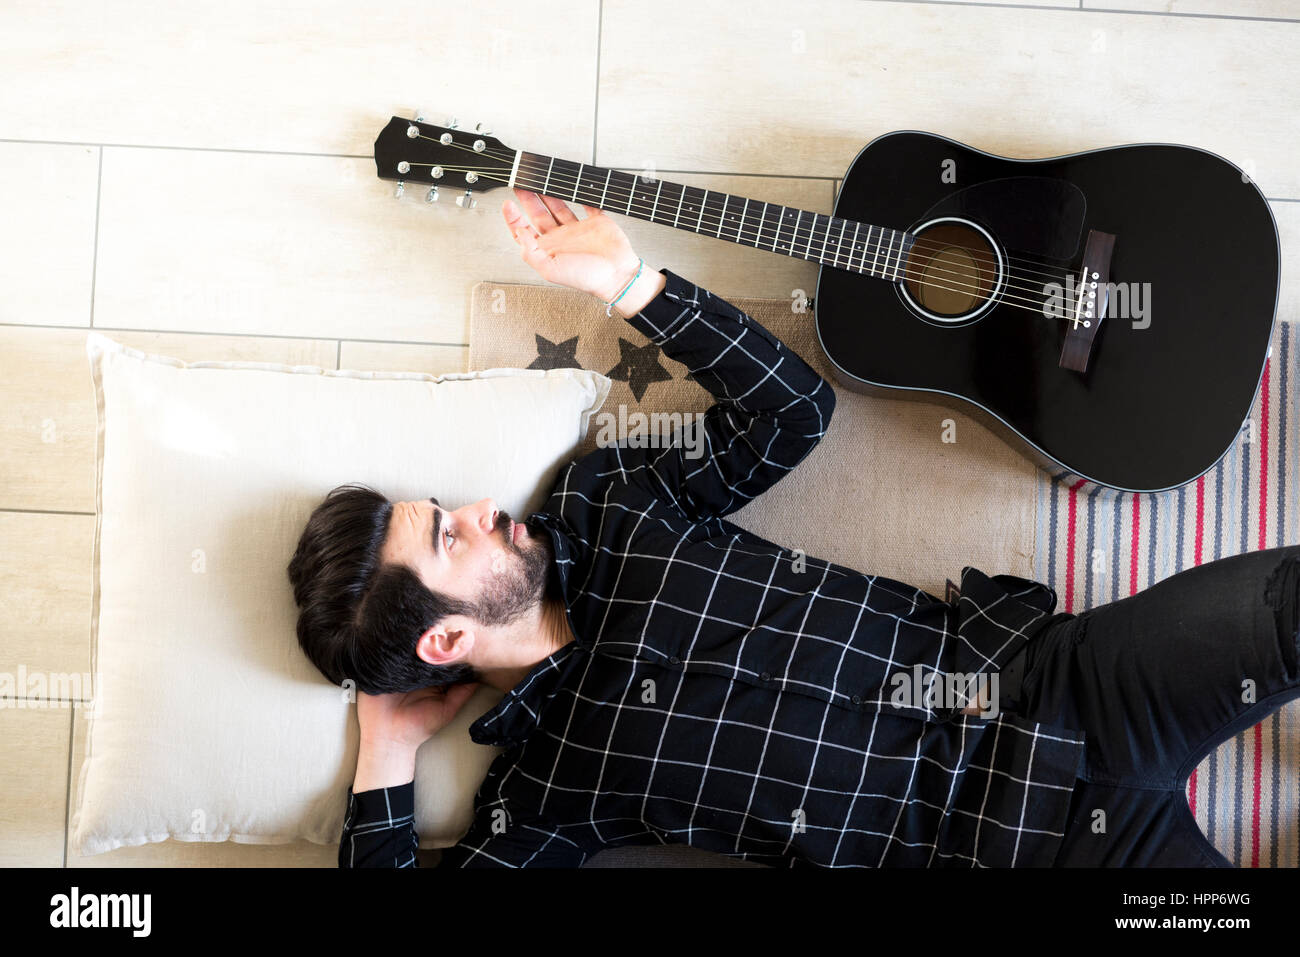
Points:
[(443, 157)]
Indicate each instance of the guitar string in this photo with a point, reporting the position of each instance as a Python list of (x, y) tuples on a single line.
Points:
[(1037, 305), (962, 283), (719, 209), (800, 232), (920, 241)]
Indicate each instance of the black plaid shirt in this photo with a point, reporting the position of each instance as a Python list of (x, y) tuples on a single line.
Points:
[(734, 695)]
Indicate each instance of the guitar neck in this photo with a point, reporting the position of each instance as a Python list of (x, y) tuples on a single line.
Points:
[(841, 243)]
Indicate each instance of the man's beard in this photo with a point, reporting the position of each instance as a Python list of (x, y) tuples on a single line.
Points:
[(520, 585)]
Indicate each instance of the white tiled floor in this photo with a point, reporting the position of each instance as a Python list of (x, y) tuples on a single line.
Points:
[(200, 184)]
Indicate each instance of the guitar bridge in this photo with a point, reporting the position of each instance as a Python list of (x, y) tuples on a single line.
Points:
[(1090, 302)]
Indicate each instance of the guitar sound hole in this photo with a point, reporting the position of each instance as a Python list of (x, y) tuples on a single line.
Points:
[(952, 270)]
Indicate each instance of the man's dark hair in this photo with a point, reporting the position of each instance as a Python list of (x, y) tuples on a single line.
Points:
[(359, 618)]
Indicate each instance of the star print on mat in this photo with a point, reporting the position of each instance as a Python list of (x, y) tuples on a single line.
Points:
[(553, 355), (638, 366)]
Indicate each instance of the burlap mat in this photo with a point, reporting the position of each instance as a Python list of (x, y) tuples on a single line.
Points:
[(882, 493)]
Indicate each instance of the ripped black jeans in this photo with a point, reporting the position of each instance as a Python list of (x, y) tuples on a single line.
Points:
[(1157, 681)]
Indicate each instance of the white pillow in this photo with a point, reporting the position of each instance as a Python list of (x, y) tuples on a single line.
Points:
[(209, 722)]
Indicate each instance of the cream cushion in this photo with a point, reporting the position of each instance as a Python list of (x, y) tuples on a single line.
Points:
[(209, 723)]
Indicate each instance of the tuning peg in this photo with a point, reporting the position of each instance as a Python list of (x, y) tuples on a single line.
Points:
[(419, 116), (451, 124), (401, 188), (432, 196), (482, 130), (467, 201)]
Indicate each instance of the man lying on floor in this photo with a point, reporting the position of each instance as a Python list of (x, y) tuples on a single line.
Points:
[(671, 678)]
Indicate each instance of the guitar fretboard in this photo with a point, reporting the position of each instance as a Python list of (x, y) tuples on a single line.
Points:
[(842, 243)]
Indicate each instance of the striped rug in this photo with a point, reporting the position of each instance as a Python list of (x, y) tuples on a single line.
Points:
[(1096, 545)]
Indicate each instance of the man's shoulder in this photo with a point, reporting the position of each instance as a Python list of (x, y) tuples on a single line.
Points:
[(590, 482)]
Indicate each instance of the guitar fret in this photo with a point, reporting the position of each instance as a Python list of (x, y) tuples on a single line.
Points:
[(632, 198), (903, 247), (872, 250)]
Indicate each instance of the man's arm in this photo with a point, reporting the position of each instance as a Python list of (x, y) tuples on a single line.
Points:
[(772, 408), (379, 831), (379, 826)]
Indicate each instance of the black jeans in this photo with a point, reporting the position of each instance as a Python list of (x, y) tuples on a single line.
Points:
[(1157, 681)]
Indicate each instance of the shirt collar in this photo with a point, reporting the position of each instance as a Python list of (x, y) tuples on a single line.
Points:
[(518, 713)]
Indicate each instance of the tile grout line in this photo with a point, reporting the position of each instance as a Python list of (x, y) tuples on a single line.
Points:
[(43, 511), (195, 149), (239, 335), (41, 704), (67, 798), (338, 356), (595, 110), (94, 255), (1187, 16), (626, 169), (217, 149), (1059, 6)]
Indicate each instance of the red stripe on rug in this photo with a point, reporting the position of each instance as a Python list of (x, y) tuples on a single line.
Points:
[(1069, 545), (1263, 459), (1200, 518), (1263, 540)]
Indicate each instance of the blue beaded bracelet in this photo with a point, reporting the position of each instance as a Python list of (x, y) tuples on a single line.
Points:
[(609, 306)]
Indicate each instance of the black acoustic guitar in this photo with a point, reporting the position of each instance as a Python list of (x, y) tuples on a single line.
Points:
[(1108, 311)]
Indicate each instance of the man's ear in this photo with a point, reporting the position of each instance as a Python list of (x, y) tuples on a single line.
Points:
[(447, 642)]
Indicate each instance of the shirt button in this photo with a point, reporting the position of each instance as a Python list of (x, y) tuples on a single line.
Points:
[(764, 677), (857, 699), (674, 660)]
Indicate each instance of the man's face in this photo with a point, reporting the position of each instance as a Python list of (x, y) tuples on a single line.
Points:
[(477, 554)]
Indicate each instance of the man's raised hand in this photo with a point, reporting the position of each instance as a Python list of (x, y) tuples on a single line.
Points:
[(592, 254)]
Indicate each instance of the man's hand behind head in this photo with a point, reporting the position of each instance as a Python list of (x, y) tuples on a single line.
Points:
[(393, 726)]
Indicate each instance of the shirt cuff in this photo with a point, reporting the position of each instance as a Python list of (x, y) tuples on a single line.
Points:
[(381, 804), (659, 318)]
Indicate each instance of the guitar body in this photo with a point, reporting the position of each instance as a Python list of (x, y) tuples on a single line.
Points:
[(1167, 385)]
